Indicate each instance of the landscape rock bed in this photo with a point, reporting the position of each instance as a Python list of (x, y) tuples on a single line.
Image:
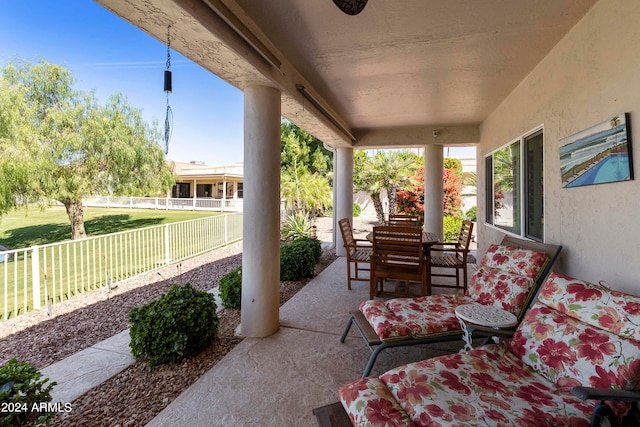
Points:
[(136, 395), (42, 339)]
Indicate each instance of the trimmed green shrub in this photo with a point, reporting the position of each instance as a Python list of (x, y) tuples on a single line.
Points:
[(180, 323), (230, 288), (298, 258), (296, 226), (22, 392), (472, 214), (452, 226), (357, 210)]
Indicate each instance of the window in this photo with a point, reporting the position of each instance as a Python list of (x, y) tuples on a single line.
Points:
[(181, 190), (229, 190), (534, 186), (240, 190), (514, 187), (204, 190)]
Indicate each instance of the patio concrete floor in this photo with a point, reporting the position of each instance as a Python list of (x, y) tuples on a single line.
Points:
[(280, 379)]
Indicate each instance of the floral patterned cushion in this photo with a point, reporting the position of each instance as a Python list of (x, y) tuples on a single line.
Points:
[(370, 403), (387, 326), (491, 286), (506, 277), (570, 353), (418, 317), (488, 384), (522, 262), (596, 305), (430, 315), (579, 334)]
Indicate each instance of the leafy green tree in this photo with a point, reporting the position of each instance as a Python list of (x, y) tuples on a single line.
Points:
[(314, 156), (57, 143), (305, 173)]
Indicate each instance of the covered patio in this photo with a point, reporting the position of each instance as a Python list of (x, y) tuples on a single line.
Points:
[(496, 75)]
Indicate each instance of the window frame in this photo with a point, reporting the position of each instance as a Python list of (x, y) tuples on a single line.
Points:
[(524, 198)]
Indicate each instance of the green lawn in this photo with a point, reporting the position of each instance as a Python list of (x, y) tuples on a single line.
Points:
[(22, 229), (82, 265)]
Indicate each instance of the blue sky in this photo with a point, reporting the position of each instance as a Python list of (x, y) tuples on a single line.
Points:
[(109, 55)]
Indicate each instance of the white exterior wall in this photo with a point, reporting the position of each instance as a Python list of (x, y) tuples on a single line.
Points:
[(589, 77)]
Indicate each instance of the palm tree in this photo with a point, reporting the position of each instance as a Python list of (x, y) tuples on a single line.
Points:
[(614, 122), (304, 191), (388, 170), (369, 183), (394, 171)]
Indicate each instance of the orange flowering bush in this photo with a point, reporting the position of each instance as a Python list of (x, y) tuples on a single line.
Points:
[(412, 201)]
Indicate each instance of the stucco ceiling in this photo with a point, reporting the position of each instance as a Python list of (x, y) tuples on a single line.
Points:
[(389, 75)]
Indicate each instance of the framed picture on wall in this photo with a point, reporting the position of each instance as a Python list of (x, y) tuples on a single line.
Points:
[(597, 155)]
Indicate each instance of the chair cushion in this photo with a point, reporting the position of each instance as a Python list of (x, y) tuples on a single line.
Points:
[(570, 353), (369, 402), (580, 333), (487, 385), (387, 326), (419, 317), (506, 277), (518, 261), (495, 287), (430, 315), (596, 305)]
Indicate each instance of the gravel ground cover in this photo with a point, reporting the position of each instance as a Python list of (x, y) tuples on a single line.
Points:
[(134, 396)]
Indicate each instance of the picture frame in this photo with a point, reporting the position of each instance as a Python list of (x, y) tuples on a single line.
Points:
[(598, 155)]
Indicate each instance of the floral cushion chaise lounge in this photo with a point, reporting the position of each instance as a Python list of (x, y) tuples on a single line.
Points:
[(579, 341), (509, 276)]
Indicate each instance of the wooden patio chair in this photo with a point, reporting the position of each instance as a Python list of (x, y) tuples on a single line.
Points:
[(397, 254), (405, 220), (452, 256), (359, 252)]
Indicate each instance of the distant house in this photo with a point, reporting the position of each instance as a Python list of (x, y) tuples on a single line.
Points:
[(197, 180)]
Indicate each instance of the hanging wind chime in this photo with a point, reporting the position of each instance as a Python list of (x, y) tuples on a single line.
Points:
[(168, 121)]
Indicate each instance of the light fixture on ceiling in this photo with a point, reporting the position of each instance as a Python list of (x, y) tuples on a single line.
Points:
[(325, 112), (351, 7), (168, 121)]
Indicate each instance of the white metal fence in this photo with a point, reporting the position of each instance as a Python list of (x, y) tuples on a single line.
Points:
[(221, 205), (48, 274)]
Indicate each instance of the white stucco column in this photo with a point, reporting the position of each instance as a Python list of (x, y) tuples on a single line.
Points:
[(261, 219), (343, 205), (434, 189)]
